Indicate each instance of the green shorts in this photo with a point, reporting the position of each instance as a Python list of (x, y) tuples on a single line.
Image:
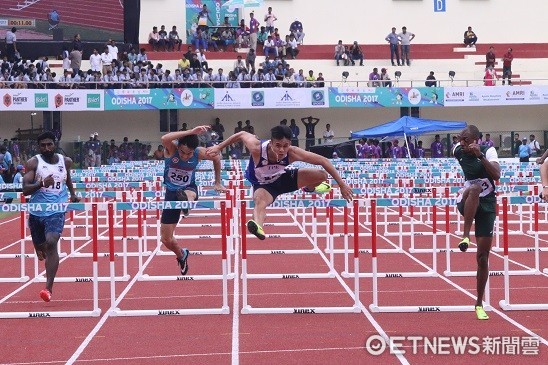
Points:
[(484, 218)]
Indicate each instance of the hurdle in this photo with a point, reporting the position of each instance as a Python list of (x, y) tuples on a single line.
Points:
[(248, 309), (224, 309), (96, 311), (505, 303), (375, 307), (22, 275)]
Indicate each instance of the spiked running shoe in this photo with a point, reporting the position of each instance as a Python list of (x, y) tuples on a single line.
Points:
[(183, 261), (181, 196), (463, 245), (255, 229), (480, 313), (323, 188), (45, 295)]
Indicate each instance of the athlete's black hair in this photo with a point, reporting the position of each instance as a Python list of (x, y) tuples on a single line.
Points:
[(45, 135), (191, 141), (280, 132)]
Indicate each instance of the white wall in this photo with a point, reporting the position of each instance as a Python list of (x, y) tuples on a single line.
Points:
[(369, 21), (144, 125)]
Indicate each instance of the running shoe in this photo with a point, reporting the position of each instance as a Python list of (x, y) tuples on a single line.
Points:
[(181, 196), (255, 229), (45, 295), (183, 261), (323, 188), (480, 313), (463, 245)]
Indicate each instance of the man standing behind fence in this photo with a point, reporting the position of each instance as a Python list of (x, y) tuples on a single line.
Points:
[(477, 201), (46, 180)]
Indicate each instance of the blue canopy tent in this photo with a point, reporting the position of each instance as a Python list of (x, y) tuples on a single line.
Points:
[(408, 126)]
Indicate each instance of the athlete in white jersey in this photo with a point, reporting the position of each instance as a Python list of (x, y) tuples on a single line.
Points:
[(269, 176), (46, 179)]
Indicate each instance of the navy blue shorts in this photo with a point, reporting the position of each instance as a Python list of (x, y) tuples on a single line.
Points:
[(171, 216), (286, 183), (39, 226)]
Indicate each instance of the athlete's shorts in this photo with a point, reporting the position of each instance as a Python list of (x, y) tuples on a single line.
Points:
[(285, 184), (171, 216), (484, 218), (39, 226)]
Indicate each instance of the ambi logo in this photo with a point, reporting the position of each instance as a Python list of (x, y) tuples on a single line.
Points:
[(41, 100), (93, 101)]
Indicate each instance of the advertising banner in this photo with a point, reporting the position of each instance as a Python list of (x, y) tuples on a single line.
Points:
[(52, 100), (217, 13), (271, 98), (375, 97), (151, 99), (496, 95)]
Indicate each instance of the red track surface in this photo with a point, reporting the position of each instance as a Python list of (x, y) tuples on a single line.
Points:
[(105, 14), (273, 338)]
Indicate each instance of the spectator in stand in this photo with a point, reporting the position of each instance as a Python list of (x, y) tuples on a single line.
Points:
[(239, 65), (154, 38), (524, 151), (269, 19), (18, 177), (356, 53), (250, 59), (419, 151), (242, 34), (516, 144), (362, 148), (11, 45), (375, 149), (203, 18), (392, 39), (470, 38), (75, 58), (328, 134), (292, 47), (174, 39), (339, 51), (227, 38), (310, 79), (184, 62), (77, 43), (296, 28), (158, 155), (142, 56), (320, 80), (253, 31), (270, 48), (534, 145), (113, 49), (310, 126), (405, 38), (507, 66), (490, 57), (294, 133), (490, 78), (374, 78), (385, 78), (396, 150), (65, 57), (219, 129), (199, 40), (436, 148), (431, 80), (262, 36), (488, 141), (248, 127), (106, 61)]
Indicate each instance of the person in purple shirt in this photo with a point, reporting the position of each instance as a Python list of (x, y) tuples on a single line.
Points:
[(409, 146), (362, 149), (253, 30), (436, 148), (396, 150), (419, 151), (375, 149), (488, 141)]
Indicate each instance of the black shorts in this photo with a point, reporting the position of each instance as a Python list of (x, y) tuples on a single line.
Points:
[(484, 218), (40, 226), (171, 216), (286, 183)]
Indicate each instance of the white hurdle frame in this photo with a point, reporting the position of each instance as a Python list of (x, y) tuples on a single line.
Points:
[(95, 312), (23, 277), (248, 309), (224, 309), (505, 303), (375, 307)]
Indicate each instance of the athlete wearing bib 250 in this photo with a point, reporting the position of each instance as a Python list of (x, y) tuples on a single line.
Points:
[(181, 157), (47, 179), (267, 171), (477, 201)]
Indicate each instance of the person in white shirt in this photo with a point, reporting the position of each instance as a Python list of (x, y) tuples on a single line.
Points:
[(106, 61), (269, 19), (328, 134), (65, 81), (534, 146), (112, 49), (269, 47), (292, 47), (299, 78), (95, 61)]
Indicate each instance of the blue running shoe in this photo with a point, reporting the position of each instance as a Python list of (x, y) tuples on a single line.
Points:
[(183, 261)]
